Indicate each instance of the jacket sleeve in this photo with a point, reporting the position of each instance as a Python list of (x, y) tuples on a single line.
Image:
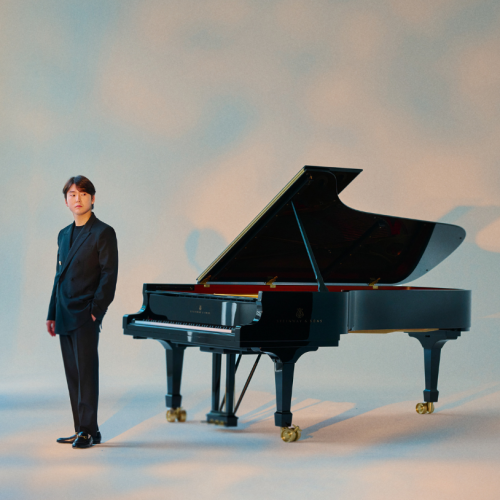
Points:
[(53, 299), (107, 247)]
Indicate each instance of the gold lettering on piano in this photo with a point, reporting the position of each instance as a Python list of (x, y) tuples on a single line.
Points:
[(299, 314), (199, 311)]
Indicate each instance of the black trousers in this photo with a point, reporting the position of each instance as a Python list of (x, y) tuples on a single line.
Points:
[(81, 364)]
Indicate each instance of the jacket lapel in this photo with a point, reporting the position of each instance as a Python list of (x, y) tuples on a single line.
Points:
[(77, 243), (64, 250)]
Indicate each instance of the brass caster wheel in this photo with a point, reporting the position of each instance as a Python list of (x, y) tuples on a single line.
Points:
[(298, 432), (423, 408), (176, 414), (287, 434), (291, 434)]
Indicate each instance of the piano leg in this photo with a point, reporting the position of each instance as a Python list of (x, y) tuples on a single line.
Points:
[(174, 357), (216, 367), (283, 376), (284, 366), (216, 415), (230, 381), (432, 342)]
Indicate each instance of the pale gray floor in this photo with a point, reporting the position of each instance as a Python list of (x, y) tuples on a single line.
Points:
[(369, 445)]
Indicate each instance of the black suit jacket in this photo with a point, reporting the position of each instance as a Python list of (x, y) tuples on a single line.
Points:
[(86, 275)]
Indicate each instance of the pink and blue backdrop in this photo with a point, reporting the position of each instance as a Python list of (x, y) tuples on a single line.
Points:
[(189, 117)]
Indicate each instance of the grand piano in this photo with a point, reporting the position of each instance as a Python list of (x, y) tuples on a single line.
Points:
[(306, 271)]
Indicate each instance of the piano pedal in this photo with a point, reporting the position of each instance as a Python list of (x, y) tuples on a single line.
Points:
[(423, 408), (291, 434), (178, 414)]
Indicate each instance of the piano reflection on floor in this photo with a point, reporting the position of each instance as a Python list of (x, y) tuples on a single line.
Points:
[(305, 271)]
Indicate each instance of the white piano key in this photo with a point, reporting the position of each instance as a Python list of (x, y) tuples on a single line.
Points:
[(166, 324)]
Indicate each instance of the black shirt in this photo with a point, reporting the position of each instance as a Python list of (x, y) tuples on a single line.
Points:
[(74, 234)]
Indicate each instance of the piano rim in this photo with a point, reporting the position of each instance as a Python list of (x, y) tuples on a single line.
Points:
[(216, 288)]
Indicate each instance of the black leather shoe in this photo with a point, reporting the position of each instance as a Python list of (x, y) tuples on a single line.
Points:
[(83, 440), (96, 439), (68, 440)]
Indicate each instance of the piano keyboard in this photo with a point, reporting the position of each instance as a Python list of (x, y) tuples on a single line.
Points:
[(175, 324)]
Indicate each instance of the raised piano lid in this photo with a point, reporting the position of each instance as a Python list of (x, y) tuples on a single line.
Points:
[(349, 246)]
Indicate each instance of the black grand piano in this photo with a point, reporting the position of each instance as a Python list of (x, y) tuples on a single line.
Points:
[(307, 270)]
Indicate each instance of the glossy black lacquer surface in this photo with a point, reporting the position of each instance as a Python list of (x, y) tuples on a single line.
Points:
[(294, 318), (349, 246), (305, 236)]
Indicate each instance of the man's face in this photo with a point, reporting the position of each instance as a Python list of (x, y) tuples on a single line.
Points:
[(79, 202)]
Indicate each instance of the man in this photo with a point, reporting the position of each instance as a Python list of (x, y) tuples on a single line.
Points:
[(84, 287)]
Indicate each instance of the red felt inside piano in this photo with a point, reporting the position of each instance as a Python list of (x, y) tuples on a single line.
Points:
[(250, 290)]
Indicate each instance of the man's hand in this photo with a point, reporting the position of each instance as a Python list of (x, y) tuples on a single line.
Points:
[(93, 317), (51, 327)]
